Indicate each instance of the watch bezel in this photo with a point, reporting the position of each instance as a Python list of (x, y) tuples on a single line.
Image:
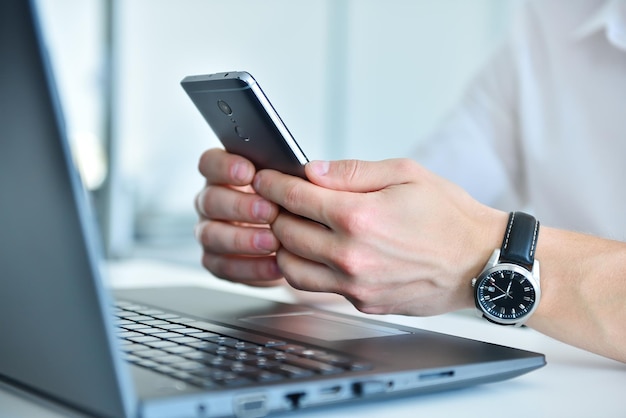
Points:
[(531, 276)]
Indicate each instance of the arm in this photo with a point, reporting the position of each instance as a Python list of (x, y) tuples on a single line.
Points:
[(398, 239), (583, 292)]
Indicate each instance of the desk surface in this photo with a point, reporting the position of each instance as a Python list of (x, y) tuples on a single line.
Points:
[(573, 384)]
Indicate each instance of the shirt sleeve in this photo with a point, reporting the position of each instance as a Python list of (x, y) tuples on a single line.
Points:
[(475, 146)]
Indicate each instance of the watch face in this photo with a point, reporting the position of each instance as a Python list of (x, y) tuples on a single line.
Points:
[(506, 295)]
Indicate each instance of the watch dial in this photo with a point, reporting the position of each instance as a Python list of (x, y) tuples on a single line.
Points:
[(506, 294)]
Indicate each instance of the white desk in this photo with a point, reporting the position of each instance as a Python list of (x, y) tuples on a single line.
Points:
[(573, 384)]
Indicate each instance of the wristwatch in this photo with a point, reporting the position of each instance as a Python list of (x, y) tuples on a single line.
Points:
[(507, 291)]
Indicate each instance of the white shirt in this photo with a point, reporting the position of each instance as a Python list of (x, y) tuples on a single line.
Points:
[(543, 127)]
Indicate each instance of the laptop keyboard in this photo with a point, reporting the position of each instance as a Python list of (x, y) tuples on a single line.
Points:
[(211, 356)]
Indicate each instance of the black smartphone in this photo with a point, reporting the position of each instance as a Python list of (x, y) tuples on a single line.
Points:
[(245, 121)]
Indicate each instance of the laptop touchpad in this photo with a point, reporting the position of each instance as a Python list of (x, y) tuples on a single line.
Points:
[(323, 326)]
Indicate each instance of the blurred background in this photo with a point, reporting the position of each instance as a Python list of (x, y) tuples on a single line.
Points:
[(363, 79)]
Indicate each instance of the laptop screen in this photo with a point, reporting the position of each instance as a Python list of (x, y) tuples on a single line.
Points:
[(55, 333)]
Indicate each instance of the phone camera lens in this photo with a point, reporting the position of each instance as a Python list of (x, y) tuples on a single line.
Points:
[(224, 107)]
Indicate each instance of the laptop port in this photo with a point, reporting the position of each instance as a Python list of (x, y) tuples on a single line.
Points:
[(371, 387), (295, 399), (331, 391), (251, 406), (436, 375)]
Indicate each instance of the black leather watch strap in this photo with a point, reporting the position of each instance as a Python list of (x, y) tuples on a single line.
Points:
[(520, 240)]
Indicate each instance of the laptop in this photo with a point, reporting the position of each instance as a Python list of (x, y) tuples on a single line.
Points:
[(179, 351)]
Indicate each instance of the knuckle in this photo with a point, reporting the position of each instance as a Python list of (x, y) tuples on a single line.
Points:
[(220, 238), (355, 220), (287, 236), (349, 261), (241, 241), (362, 298), (406, 164), (293, 195), (352, 169)]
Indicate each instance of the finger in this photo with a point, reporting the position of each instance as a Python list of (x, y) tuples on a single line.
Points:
[(303, 274), (360, 176), (224, 203), (295, 194), (304, 238), (221, 167), (227, 238), (254, 271)]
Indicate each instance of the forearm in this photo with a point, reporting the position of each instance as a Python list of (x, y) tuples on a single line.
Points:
[(583, 283)]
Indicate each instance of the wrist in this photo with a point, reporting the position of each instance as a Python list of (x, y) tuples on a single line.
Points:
[(490, 225)]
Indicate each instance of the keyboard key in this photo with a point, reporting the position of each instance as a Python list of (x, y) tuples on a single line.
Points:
[(179, 349), (171, 327), (185, 340), (139, 318), (143, 339), (171, 360), (265, 376), (262, 351), (155, 322), (241, 335), (205, 335), (188, 330), (134, 326), (150, 353), (148, 311), (150, 331), (203, 346), (189, 365), (290, 348), (134, 347), (161, 343), (168, 316), (165, 335), (128, 334)]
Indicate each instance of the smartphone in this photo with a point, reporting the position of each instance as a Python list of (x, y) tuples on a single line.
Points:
[(245, 121)]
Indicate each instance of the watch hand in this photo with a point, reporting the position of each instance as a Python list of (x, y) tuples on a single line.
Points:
[(508, 289), (498, 297), (497, 287)]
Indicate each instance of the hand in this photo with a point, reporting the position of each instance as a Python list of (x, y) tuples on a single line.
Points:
[(234, 222), (389, 236)]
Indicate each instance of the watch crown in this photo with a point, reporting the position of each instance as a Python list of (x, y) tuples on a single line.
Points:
[(474, 282)]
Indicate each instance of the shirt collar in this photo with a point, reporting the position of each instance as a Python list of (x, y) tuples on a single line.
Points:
[(610, 18)]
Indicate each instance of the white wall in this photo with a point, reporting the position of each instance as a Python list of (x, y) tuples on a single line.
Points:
[(408, 63)]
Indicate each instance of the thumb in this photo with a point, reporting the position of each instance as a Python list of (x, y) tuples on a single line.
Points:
[(359, 176)]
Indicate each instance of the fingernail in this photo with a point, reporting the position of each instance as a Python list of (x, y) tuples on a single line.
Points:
[(239, 172), (261, 210), (264, 240), (320, 167), (275, 269), (200, 202), (198, 229)]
